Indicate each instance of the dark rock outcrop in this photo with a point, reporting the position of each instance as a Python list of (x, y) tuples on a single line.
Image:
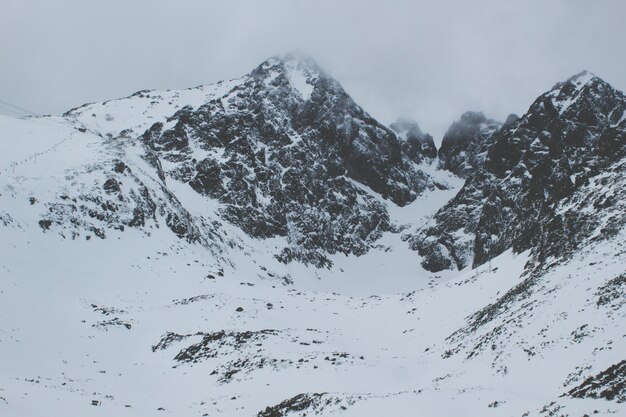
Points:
[(464, 146), (569, 136), (418, 146), (609, 384), (287, 153)]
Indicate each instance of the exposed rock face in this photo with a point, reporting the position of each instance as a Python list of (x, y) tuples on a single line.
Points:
[(609, 384), (465, 144), (124, 200), (510, 119), (568, 137), (284, 152), (418, 146)]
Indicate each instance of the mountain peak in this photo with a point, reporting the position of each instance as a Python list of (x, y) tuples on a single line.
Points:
[(301, 70), (582, 77), (578, 81), (298, 59), (475, 117), (416, 144), (405, 124), (584, 90), (510, 119), (292, 60), (464, 144)]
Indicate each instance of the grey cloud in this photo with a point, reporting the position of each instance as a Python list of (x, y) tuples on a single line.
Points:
[(429, 60)]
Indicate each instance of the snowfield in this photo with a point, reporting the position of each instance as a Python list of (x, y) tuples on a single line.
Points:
[(88, 320)]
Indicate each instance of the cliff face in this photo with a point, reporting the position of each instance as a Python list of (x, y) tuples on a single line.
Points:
[(282, 151), (464, 146), (569, 135), (418, 146)]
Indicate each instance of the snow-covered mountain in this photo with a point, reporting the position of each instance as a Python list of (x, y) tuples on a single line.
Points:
[(417, 145), (283, 151), (569, 135), (465, 144), (264, 247)]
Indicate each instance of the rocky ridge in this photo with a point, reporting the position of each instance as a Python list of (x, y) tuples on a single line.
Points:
[(418, 146), (570, 135), (464, 146), (282, 152)]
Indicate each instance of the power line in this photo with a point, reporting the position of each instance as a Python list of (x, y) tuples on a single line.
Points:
[(21, 109)]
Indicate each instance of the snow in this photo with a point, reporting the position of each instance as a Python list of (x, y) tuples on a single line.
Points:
[(141, 110), (623, 118), (356, 310), (583, 78), (401, 337), (579, 81), (425, 205), (301, 83), (300, 77)]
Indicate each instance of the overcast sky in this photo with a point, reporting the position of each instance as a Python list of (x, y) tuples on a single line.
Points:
[(428, 60)]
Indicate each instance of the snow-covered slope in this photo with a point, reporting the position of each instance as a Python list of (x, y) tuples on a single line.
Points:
[(134, 114), (149, 325), (138, 270)]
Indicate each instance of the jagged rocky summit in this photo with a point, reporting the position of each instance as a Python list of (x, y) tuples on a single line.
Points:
[(283, 150), (531, 181), (465, 144), (286, 151), (418, 146)]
